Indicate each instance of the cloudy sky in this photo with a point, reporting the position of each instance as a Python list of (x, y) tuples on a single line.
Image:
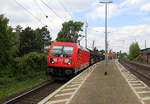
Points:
[(128, 20)]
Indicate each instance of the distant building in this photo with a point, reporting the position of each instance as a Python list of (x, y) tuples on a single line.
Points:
[(111, 55), (145, 55)]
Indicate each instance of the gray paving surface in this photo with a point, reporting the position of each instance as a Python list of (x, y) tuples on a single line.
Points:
[(110, 89)]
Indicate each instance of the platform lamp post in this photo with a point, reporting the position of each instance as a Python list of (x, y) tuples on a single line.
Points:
[(86, 26), (106, 47)]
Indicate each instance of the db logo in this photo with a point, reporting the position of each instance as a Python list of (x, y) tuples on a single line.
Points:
[(60, 61)]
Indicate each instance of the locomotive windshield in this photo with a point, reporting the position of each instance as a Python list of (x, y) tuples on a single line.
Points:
[(62, 51), (57, 51), (67, 51)]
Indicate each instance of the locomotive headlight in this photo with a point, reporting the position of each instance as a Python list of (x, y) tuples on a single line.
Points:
[(53, 60), (68, 61)]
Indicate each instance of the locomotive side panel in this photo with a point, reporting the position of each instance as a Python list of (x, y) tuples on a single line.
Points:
[(82, 59), (62, 59), (67, 59)]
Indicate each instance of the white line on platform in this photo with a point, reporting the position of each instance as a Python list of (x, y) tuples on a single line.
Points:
[(63, 94), (79, 80), (68, 89), (129, 82), (143, 92), (75, 82), (134, 81), (131, 76), (57, 101), (84, 76), (134, 84), (127, 75), (79, 87), (146, 98), (74, 85), (139, 87), (55, 92), (131, 79)]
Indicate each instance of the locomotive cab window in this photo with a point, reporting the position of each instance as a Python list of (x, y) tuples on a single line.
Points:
[(62, 51), (57, 51), (67, 51)]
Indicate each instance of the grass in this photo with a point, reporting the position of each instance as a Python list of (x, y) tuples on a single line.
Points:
[(19, 86)]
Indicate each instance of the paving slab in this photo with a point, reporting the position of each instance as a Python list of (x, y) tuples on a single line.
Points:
[(109, 89)]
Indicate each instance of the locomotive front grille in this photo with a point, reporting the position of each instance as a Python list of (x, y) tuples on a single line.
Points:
[(60, 71)]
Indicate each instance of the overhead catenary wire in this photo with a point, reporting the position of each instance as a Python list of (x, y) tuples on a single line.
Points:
[(51, 9), (42, 11), (29, 12), (59, 1)]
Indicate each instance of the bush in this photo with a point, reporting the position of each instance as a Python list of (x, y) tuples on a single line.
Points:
[(5, 80), (5, 71), (134, 51), (30, 65)]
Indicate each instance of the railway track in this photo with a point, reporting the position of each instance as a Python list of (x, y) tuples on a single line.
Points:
[(141, 71), (36, 94)]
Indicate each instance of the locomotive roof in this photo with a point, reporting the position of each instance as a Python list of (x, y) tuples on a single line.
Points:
[(146, 49), (81, 47), (70, 44), (63, 43)]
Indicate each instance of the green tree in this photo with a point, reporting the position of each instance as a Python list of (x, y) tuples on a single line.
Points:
[(18, 30), (43, 35), (27, 37), (70, 32), (95, 49), (102, 51), (121, 55), (8, 42), (134, 51), (34, 40)]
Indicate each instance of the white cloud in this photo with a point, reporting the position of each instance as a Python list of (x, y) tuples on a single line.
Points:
[(78, 5), (135, 1), (20, 16), (113, 10), (102, 29), (145, 7), (120, 38), (131, 2)]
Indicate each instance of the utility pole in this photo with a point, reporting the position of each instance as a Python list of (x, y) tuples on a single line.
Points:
[(93, 44), (145, 44), (106, 45), (86, 26)]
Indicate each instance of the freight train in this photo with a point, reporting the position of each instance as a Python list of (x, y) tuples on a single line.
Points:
[(68, 59)]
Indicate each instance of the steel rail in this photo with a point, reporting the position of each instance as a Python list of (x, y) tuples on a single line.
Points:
[(135, 70), (28, 92), (140, 73)]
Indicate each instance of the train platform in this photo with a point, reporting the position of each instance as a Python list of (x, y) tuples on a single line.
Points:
[(93, 87)]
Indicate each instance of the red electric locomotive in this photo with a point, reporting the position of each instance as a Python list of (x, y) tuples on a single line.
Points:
[(66, 59)]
